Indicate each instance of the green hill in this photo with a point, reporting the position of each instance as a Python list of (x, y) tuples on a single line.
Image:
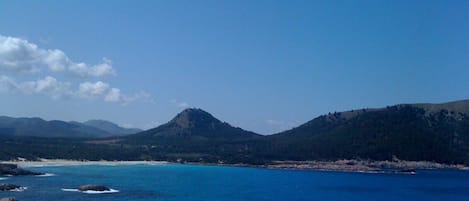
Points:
[(37, 127), (461, 106), (195, 135), (417, 132), (410, 132)]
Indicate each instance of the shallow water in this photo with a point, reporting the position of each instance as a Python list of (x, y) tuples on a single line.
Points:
[(211, 183)]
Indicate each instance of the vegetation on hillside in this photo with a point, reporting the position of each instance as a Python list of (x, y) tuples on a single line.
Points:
[(408, 132)]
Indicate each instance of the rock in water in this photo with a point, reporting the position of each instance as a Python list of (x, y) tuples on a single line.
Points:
[(409, 171), (8, 199), (13, 169), (8, 187), (90, 187)]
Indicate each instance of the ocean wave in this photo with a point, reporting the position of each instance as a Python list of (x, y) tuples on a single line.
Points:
[(20, 189), (90, 192), (46, 175), (3, 178), (101, 192), (70, 190)]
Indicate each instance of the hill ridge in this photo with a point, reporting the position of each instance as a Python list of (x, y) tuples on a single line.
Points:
[(38, 127), (409, 132)]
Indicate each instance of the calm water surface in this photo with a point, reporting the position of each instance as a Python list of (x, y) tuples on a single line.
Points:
[(209, 183)]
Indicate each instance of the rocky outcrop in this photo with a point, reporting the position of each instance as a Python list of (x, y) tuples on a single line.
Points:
[(408, 171), (9, 187), (13, 169), (90, 187), (8, 199)]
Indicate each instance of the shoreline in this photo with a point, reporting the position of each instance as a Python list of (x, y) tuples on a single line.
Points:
[(359, 166), (63, 162), (364, 166)]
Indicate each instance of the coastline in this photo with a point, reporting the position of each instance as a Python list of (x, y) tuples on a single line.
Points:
[(63, 162), (362, 166)]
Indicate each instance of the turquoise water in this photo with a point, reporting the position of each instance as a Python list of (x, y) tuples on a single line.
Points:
[(210, 183)]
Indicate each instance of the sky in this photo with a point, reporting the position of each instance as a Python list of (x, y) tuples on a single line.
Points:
[(265, 66)]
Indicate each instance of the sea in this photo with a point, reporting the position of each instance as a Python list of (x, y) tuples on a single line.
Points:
[(175, 182)]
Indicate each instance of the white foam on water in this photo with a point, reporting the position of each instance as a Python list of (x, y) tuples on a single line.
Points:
[(3, 178), (20, 189), (46, 175), (90, 192), (70, 190), (101, 192)]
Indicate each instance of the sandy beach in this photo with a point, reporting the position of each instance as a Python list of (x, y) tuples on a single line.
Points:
[(62, 162), (339, 165)]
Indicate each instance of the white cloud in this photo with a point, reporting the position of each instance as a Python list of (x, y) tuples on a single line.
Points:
[(93, 90), (179, 104), (115, 95), (104, 91), (49, 86), (100, 70), (55, 89), (183, 105), (19, 55), (56, 60)]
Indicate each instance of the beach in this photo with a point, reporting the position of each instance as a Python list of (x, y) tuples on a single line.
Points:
[(62, 162), (338, 165)]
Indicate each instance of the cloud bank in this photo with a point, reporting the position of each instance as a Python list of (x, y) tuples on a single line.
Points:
[(23, 57), (47, 86), (20, 55), (55, 89)]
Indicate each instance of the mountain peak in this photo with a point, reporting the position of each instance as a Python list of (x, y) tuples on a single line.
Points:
[(193, 117), (196, 111), (193, 124)]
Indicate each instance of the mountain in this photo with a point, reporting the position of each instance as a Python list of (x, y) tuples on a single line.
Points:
[(197, 123), (416, 132), (38, 127), (111, 128), (41, 128), (194, 134), (432, 132), (461, 106)]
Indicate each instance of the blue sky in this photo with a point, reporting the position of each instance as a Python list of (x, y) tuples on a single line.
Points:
[(261, 65)]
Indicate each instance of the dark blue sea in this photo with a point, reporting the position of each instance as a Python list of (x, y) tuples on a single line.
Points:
[(210, 183)]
